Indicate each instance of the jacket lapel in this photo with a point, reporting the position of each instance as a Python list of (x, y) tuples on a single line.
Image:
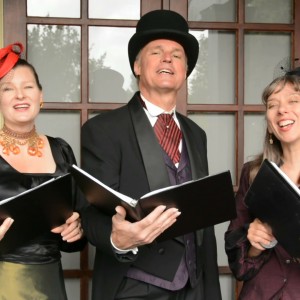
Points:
[(199, 169), (150, 149)]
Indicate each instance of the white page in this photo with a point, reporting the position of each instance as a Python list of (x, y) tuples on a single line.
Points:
[(25, 192), (165, 189), (288, 180), (128, 200)]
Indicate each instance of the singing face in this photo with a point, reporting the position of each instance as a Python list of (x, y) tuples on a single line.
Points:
[(283, 115), (20, 98), (161, 66)]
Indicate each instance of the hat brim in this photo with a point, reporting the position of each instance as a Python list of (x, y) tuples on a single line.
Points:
[(186, 40)]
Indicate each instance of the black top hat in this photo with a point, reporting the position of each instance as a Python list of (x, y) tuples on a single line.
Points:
[(163, 24)]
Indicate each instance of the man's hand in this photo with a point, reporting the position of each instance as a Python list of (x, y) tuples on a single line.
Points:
[(127, 235)]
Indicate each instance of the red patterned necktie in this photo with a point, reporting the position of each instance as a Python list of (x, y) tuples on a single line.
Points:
[(169, 135)]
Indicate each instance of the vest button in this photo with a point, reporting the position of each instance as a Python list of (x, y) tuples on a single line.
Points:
[(161, 251)]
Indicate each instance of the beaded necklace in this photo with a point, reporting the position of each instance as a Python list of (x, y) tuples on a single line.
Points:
[(11, 140)]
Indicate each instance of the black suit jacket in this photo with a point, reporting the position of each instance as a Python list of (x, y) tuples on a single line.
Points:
[(120, 148)]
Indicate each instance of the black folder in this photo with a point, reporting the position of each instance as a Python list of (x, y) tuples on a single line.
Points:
[(36, 211), (275, 199), (203, 202)]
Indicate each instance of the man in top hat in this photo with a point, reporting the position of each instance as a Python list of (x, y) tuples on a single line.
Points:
[(125, 149)]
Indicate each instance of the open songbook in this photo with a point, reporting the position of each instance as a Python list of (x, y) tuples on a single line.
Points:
[(36, 211), (202, 203), (275, 199)]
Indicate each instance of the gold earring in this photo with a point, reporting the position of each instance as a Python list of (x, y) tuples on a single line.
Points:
[(271, 139), (41, 104)]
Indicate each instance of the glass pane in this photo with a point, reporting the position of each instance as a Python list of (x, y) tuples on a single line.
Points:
[(110, 75), (227, 284), (116, 9), (95, 113), (90, 289), (266, 11), (255, 129), (92, 252), (219, 231), (54, 50), (63, 124), (70, 261), (54, 8), (73, 288), (213, 79), (265, 54), (213, 124), (212, 11)]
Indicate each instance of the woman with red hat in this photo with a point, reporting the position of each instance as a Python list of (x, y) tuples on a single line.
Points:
[(27, 159)]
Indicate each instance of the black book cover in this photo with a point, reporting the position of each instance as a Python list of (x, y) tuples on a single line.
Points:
[(275, 199), (203, 202), (36, 211)]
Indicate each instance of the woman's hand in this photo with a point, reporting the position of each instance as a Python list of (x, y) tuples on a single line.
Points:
[(5, 226), (259, 234), (71, 231)]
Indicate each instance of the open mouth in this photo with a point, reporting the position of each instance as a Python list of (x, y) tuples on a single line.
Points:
[(165, 71), (286, 123), (21, 106)]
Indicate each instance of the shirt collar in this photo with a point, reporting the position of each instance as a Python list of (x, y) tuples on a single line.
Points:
[(155, 110)]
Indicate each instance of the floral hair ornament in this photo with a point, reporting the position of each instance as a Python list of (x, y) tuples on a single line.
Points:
[(9, 57)]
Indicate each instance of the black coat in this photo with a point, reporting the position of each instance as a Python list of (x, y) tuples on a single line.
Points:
[(120, 149)]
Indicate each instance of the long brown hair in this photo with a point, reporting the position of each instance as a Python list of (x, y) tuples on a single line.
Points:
[(274, 151)]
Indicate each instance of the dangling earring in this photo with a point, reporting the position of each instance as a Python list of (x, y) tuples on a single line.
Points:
[(41, 103), (270, 139)]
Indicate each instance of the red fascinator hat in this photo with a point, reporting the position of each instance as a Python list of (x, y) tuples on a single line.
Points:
[(9, 57)]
